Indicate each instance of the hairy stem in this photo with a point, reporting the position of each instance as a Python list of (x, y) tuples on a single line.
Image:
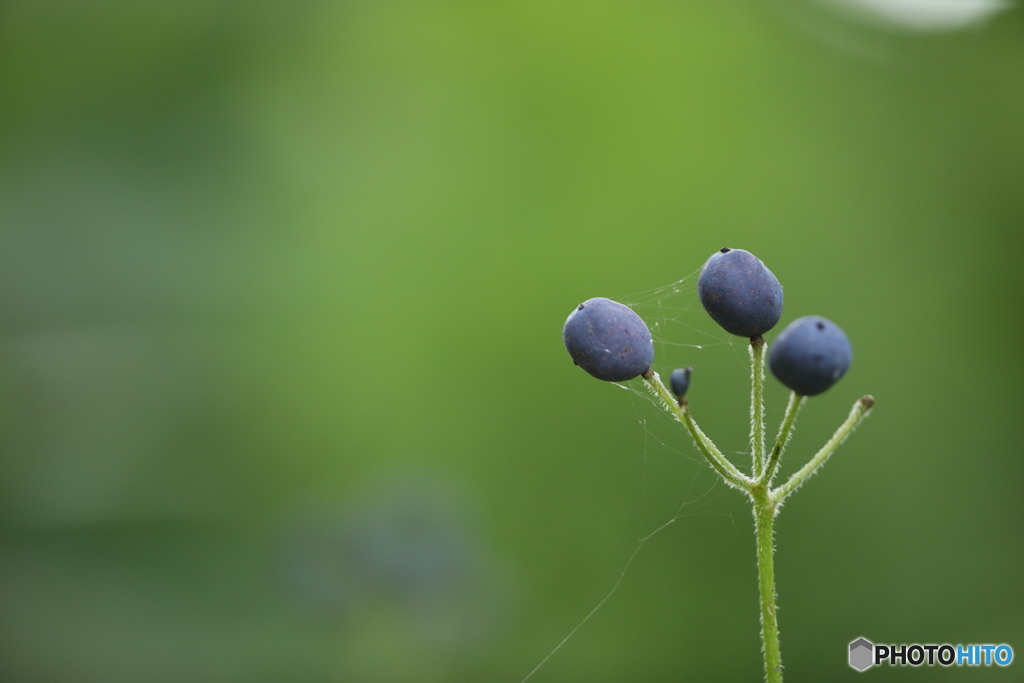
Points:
[(707, 448), (766, 502), (757, 351), (764, 519), (796, 402), (861, 409)]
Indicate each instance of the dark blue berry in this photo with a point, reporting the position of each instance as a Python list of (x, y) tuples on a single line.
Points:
[(810, 355), (679, 381), (740, 293), (608, 340)]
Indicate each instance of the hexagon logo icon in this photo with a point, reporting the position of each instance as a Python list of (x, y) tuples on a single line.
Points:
[(862, 654)]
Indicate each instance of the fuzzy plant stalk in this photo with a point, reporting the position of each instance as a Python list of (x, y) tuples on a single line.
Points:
[(757, 404), (611, 342)]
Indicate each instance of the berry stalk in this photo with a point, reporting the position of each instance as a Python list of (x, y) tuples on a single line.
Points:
[(732, 476), (796, 402), (757, 349), (861, 409)]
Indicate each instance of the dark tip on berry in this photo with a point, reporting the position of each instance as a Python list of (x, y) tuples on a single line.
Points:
[(820, 325), (724, 250), (580, 307)]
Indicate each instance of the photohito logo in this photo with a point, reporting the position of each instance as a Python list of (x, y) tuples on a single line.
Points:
[(864, 654)]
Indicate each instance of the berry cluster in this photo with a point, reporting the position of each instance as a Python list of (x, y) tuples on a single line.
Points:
[(611, 342)]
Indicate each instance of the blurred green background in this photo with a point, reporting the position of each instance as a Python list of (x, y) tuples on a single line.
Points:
[(282, 390)]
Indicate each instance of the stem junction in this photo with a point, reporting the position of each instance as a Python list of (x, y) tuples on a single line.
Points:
[(765, 500)]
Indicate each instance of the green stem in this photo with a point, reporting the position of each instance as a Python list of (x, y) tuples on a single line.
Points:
[(766, 502), (706, 446), (757, 351), (861, 409), (764, 519), (796, 402)]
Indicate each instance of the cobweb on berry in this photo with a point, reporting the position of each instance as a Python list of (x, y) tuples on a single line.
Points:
[(679, 325), (684, 335)]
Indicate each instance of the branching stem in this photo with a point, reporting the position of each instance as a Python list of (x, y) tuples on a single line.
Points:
[(766, 502), (861, 409), (707, 448)]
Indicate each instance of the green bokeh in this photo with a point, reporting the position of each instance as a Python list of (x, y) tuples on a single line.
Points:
[(282, 393)]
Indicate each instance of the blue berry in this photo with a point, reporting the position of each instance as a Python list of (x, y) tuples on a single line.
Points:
[(810, 355), (679, 381), (740, 293), (608, 340)]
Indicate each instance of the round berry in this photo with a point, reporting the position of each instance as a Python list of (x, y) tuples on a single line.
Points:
[(740, 293), (608, 340), (679, 381), (810, 355)]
